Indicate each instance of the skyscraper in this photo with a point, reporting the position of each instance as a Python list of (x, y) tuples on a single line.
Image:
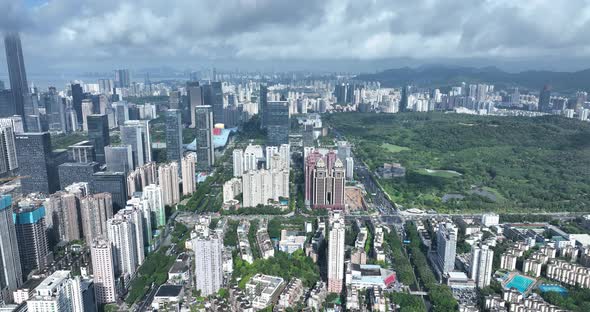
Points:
[(262, 104), (119, 158), (77, 97), (277, 122), (168, 181), (204, 126), (137, 134), (122, 78), (545, 99), (217, 97), (404, 101), (98, 134), (446, 246), (86, 111), (189, 183), (195, 98), (95, 210), (173, 125), (114, 183), (8, 160), (17, 73), (336, 254), (324, 181), (31, 236), (481, 265), (36, 163), (122, 234), (76, 172), (103, 267), (11, 276), (208, 264)]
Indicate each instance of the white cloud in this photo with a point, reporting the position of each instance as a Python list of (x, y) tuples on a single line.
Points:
[(62, 31)]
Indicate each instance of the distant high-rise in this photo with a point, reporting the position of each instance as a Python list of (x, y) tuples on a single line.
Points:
[(137, 134), (446, 246), (77, 97), (95, 210), (168, 181), (336, 256), (86, 111), (189, 181), (119, 158), (16, 72), (103, 267), (324, 181), (55, 110), (262, 104), (173, 125), (8, 160), (122, 78), (217, 97), (277, 122), (105, 86), (6, 103), (208, 264), (204, 126), (195, 98), (36, 163), (481, 265), (98, 134), (114, 183), (545, 99), (31, 236), (404, 101), (11, 276)]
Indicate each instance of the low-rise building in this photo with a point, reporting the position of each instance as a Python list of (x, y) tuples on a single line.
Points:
[(264, 290), (167, 296), (291, 241), (368, 275), (291, 294), (569, 273)]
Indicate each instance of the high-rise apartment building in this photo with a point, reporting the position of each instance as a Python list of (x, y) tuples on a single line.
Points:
[(143, 205), (95, 210), (103, 268), (11, 276), (336, 254), (142, 177), (260, 186), (481, 265), (122, 234), (32, 239), (324, 181), (137, 134), (17, 73), (204, 126), (189, 179), (238, 162), (98, 134), (168, 181), (252, 154), (446, 246), (173, 124), (208, 264), (153, 194)]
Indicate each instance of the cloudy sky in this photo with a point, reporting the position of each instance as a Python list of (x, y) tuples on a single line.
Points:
[(87, 35)]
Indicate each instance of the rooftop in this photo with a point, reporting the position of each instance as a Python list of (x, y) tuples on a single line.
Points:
[(169, 291)]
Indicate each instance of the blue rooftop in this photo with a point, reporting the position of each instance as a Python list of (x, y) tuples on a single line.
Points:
[(218, 140), (5, 201), (29, 216)]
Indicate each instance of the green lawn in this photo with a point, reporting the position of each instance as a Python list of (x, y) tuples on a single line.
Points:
[(394, 148)]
